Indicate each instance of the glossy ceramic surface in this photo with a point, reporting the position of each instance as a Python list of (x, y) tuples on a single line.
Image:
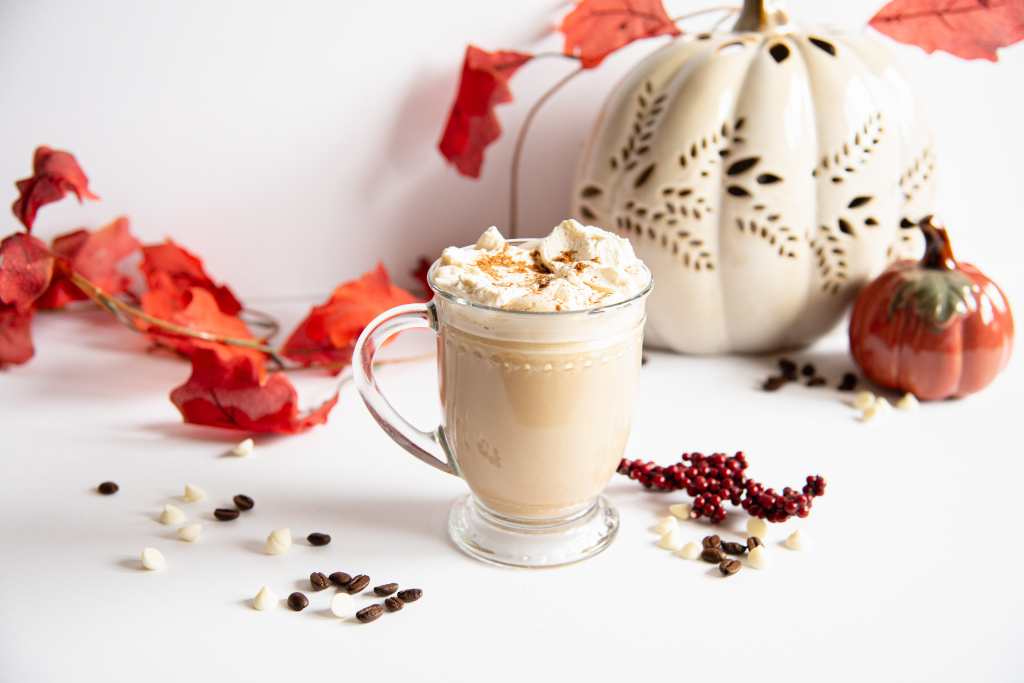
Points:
[(938, 330)]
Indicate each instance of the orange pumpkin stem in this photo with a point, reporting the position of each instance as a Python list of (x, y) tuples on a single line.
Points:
[(938, 250)]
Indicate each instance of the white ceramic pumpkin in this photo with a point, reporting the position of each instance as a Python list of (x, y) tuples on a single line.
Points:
[(763, 174)]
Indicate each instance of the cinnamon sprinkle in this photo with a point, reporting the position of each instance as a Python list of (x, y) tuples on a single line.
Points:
[(567, 256)]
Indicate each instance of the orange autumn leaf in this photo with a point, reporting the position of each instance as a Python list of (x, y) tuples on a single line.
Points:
[(231, 391), (196, 309), (597, 28), (969, 29), (54, 174), (96, 256), (171, 266), (329, 332), (472, 125)]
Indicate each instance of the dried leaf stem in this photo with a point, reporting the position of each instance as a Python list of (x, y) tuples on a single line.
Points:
[(130, 316), (531, 114)]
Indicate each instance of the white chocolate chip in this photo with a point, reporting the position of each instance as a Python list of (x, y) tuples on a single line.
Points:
[(794, 541), (193, 493), (278, 542), (153, 560), (671, 540), (757, 558), (680, 510), (907, 402), (243, 448), (190, 532), (757, 527), (172, 515), (666, 524), (690, 551), (863, 399), (879, 408), (264, 600), (342, 605)]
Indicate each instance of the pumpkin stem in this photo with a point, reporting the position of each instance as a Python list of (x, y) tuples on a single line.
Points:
[(938, 250), (761, 15)]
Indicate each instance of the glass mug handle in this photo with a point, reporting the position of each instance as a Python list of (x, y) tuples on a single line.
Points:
[(430, 447)]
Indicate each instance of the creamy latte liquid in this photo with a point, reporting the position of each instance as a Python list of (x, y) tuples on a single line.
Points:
[(537, 429)]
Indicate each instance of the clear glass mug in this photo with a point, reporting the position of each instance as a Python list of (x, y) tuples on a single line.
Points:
[(536, 413)]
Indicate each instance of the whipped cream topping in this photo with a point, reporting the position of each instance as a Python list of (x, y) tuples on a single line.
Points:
[(574, 268)]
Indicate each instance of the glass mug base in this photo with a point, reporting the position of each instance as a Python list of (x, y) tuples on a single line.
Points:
[(504, 541)]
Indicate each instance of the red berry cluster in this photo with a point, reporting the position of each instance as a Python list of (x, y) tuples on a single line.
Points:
[(713, 480)]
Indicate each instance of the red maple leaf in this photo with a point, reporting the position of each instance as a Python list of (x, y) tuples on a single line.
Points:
[(15, 335), (969, 29), (54, 174), (472, 124), (329, 332), (170, 267), (597, 28), (26, 267), (231, 391), (420, 273), (93, 255)]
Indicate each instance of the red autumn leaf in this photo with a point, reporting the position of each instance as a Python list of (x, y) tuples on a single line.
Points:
[(597, 28), (969, 29), (54, 174), (420, 273), (15, 335), (472, 124), (197, 310), (93, 255), (230, 390), (26, 267), (329, 332), (184, 271)]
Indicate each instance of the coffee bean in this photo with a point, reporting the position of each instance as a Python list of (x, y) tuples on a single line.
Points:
[(393, 604), (730, 567), (243, 502), (734, 548), (339, 579), (788, 368), (368, 614), (849, 382), (753, 542), (816, 382), (297, 601), (712, 555), (385, 589), (319, 581), (774, 383), (358, 583), (712, 541), (225, 514), (108, 488), (808, 370), (410, 595), (317, 538)]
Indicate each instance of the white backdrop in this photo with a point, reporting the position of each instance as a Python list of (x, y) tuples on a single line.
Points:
[(294, 147), (293, 144)]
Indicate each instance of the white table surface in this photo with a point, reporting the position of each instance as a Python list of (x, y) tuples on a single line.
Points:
[(912, 570)]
